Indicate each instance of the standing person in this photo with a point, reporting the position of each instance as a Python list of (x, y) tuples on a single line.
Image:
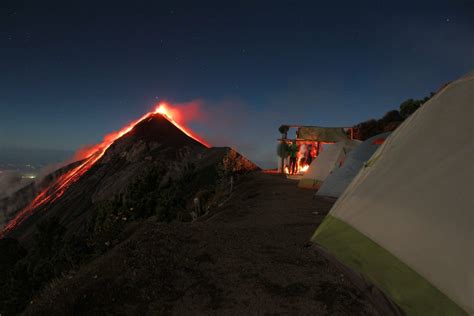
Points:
[(302, 156), (309, 156), (293, 156)]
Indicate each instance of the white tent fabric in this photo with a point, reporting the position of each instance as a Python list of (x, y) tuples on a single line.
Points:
[(322, 166), (340, 178), (415, 198)]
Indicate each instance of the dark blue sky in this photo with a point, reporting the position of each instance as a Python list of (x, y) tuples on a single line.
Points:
[(70, 73)]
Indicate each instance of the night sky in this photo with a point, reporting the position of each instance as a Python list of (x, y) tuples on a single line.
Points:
[(71, 73)]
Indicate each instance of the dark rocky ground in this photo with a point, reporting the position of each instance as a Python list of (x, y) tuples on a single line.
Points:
[(251, 256)]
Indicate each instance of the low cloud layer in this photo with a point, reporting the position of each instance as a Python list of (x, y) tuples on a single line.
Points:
[(10, 182)]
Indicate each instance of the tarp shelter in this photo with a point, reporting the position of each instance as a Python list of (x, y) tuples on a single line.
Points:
[(322, 134), (406, 222), (340, 178), (315, 136), (320, 168)]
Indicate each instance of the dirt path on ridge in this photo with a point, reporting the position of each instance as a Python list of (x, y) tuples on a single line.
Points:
[(252, 257)]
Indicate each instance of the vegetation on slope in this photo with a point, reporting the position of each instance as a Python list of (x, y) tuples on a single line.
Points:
[(57, 252)]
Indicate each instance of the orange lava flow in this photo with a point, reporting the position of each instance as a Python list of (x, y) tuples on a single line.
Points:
[(93, 154)]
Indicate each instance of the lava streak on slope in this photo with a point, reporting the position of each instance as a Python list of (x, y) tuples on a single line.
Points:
[(92, 155)]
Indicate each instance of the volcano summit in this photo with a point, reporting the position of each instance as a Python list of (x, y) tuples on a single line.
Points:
[(153, 144)]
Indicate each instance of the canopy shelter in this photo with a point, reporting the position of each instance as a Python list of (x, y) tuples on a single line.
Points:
[(309, 137), (406, 222), (341, 177), (322, 134), (323, 165)]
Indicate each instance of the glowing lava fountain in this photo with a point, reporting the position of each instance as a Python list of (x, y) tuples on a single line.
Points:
[(90, 157)]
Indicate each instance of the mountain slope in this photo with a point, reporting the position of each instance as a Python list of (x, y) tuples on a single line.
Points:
[(153, 169), (154, 143), (12, 204), (250, 256)]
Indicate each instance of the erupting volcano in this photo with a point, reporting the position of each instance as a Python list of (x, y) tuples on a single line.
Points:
[(90, 156)]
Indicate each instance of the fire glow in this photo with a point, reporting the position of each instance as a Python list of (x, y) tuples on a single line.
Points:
[(304, 168), (300, 169), (89, 157)]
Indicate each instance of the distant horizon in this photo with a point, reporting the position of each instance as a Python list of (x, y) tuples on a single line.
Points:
[(36, 156), (15, 153), (73, 72)]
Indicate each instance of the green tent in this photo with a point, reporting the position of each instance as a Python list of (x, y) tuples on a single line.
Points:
[(406, 222), (324, 164)]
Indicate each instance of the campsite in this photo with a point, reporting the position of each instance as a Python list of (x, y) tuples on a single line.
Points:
[(353, 263), (218, 158)]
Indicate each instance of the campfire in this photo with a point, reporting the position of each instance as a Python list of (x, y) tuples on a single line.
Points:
[(296, 154), (304, 168), (301, 167)]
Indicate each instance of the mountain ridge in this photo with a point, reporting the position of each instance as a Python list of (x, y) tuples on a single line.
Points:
[(154, 140)]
